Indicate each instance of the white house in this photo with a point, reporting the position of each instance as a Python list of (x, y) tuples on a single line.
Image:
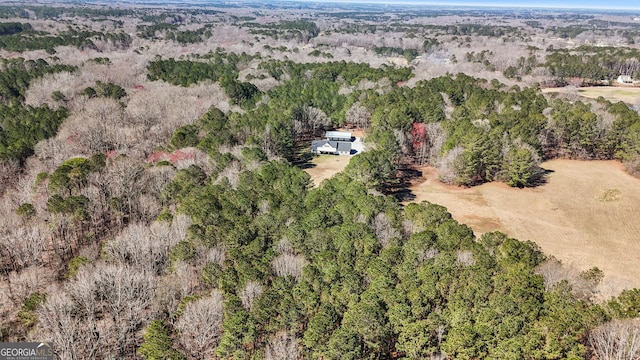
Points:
[(330, 147)]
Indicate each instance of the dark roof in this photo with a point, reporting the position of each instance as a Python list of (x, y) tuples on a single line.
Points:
[(344, 146), (319, 143), (340, 146)]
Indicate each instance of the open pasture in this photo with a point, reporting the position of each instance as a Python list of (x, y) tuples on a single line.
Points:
[(585, 215), (629, 95)]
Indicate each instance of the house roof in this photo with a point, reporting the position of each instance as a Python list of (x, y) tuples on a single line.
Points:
[(319, 143), (344, 146), (339, 146), (338, 134)]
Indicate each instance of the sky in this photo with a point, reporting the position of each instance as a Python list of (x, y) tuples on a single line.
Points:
[(600, 4), (588, 4)]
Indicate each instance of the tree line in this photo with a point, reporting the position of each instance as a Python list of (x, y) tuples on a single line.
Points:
[(22, 127), (27, 39), (303, 30), (593, 64), (217, 67), (476, 131)]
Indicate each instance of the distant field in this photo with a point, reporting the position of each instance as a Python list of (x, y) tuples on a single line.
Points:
[(586, 215), (611, 93)]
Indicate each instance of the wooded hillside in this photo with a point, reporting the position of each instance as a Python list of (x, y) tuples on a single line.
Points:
[(154, 203)]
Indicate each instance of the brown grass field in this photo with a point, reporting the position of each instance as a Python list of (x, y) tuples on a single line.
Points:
[(629, 95), (586, 215), (325, 166)]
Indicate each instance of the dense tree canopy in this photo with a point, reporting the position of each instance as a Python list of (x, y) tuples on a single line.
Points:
[(21, 128), (371, 288)]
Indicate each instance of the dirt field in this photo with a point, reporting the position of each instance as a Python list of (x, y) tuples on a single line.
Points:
[(586, 215), (614, 94)]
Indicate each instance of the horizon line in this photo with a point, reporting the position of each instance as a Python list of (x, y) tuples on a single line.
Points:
[(472, 5)]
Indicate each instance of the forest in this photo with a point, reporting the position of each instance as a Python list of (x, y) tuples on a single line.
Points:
[(155, 202)]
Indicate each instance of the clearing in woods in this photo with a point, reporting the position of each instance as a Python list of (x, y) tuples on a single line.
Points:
[(325, 166), (585, 215), (629, 95)]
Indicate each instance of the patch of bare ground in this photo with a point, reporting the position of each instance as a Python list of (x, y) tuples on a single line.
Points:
[(325, 166), (585, 215)]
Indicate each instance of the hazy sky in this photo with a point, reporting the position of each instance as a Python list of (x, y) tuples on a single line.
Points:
[(599, 4), (602, 4)]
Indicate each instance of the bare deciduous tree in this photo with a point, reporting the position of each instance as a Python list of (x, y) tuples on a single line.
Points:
[(358, 115), (289, 264), (125, 293), (157, 178), (215, 255), (94, 128), (231, 173), (282, 346), (445, 165), (251, 291), (145, 248), (24, 244), (435, 138), (427, 254), (584, 285), (70, 316), (465, 257), (58, 322), (616, 340), (40, 90), (167, 296), (383, 228), (130, 246), (186, 277), (179, 226), (307, 120), (403, 141), (123, 181), (25, 282), (200, 326), (147, 207), (284, 246), (51, 152), (98, 202), (553, 272), (83, 292), (9, 171)]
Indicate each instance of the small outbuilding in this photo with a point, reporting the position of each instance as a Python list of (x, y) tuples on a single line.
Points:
[(338, 136)]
